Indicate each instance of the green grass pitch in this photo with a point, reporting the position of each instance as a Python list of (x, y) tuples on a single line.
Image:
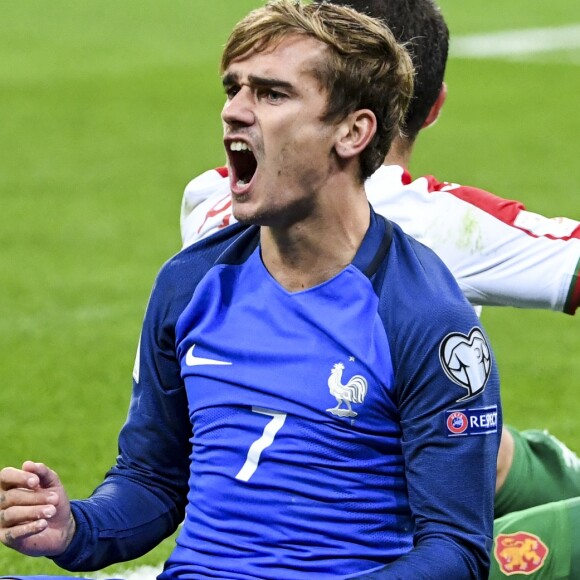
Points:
[(108, 108)]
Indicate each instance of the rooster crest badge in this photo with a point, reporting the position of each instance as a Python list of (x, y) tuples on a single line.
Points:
[(354, 391)]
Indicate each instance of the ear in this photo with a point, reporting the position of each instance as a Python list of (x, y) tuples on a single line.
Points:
[(354, 133), (436, 108)]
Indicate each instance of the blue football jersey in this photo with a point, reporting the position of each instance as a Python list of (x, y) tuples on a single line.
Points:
[(325, 433)]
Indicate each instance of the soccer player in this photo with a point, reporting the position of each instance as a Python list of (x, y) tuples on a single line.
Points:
[(334, 388), (508, 256)]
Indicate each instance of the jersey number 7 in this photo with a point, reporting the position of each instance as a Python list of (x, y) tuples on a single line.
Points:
[(267, 438)]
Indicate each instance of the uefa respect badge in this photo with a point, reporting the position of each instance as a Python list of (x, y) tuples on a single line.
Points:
[(478, 421)]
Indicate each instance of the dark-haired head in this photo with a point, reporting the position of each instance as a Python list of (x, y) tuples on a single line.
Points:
[(419, 25)]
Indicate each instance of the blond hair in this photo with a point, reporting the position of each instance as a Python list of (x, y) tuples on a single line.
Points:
[(364, 66)]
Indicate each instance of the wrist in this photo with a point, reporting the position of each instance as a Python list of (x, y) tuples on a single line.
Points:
[(69, 532)]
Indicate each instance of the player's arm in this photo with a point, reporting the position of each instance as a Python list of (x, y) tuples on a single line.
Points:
[(448, 398), (502, 254), (450, 462), (142, 498)]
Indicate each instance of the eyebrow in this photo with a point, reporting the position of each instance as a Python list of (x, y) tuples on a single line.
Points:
[(230, 79)]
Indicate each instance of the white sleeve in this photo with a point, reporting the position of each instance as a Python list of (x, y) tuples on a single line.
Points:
[(206, 207), (499, 253), (494, 259)]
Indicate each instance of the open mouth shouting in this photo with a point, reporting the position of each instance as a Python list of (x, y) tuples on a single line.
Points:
[(242, 164)]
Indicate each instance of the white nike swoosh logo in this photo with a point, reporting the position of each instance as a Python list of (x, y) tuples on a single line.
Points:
[(193, 361)]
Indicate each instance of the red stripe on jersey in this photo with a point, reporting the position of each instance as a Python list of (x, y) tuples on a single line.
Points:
[(573, 299), (223, 171), (505, 210)]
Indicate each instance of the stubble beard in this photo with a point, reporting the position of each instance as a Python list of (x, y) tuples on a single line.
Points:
[(281, 216)]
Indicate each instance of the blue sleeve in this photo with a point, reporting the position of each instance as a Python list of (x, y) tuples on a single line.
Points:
[(451, 428), (143, 497)]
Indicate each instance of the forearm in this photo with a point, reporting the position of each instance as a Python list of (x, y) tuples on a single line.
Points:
[(436, 558), (121, 521)]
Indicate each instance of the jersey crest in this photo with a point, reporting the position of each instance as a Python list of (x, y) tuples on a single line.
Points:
[(466, 360), (354, 391), (520, 553)]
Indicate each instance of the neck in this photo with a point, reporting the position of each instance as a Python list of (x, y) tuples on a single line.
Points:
[(399, 153), (307, 253)]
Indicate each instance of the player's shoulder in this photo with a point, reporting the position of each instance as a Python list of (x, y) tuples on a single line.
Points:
[(509, 211), (209, 177), (504, 209), (419, 264), (416, 280), (190, 264), (410, 201), (201, 187), (420, 302), (179, 276)]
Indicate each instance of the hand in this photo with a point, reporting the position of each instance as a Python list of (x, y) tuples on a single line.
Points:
[(35, 514)]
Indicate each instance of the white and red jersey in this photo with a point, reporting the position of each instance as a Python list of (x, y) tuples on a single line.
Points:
[(500, 253)]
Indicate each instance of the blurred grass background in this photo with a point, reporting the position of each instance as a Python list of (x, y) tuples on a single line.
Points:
[(108, 108)]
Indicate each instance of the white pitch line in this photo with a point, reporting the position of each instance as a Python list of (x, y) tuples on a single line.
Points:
[(141, 573), (514, 43)]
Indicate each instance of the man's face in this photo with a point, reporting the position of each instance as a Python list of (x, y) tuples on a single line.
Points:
[(279, 150)]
